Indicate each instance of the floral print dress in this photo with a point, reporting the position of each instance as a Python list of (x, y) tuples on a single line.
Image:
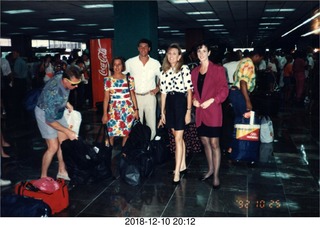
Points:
[(120, 112)]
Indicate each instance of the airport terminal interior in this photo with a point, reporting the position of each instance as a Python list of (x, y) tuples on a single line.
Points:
[(285, 183)]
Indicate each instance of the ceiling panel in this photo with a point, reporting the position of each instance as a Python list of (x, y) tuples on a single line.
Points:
[(240, 20)]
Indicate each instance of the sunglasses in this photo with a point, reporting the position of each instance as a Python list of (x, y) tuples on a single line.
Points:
[(73, 83)]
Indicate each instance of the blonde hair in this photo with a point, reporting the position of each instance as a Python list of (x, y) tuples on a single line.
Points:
[(166, 65)]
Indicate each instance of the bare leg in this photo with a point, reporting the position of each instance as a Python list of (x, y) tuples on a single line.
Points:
[(62, 167), (178, 137), (208, 151), (53, 147)]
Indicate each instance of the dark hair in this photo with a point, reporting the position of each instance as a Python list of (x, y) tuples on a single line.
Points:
[(72, 71), (147, 41), (122, 62), (202, 43)]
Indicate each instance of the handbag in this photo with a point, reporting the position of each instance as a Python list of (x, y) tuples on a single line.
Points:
[(57, 200), (266, 130), (74, 119)]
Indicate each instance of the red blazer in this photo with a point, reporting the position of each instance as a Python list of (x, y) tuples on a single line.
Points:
[(215, 86)]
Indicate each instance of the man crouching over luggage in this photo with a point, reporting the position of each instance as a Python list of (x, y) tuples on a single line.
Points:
[(49, 115)]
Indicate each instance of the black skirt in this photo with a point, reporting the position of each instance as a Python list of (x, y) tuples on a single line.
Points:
[(208, 131)]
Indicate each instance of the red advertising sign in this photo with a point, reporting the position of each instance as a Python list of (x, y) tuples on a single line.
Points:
[(100, 57)]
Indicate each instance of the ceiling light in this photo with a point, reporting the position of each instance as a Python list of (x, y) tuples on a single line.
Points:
[(269, 24), (61, 19), (213, 25), (279, 10), (97, 6), (88, 25), (171, 31), (186, 1), (163, 27), (272, 18), (199, 12), (179, 33), (316, 31), (58, 31), (19, 11), (206, 20), (106, 29), (76, 34), (308, 20), (28, 28)]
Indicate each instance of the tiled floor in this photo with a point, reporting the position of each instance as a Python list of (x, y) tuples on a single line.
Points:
[(287, 185)]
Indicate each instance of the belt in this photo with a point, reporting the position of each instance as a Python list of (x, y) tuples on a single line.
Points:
[(143, 94)]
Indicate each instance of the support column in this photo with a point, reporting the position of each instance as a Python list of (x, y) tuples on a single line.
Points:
[(134, 20), (23, 44), (192, 37)]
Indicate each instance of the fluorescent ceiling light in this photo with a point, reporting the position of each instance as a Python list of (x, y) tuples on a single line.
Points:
[(163, 27), (272, 18), (186, 1), (58, 31), (29, 28), (279, 10), (216, 30), (266, 28), (206, 20), (269, 24), (312, 32), (179, 33), (61, 19), (106, 29), (88, 25), (199, 12), (308, 20), (19, 11), (97, 6), (78, 34), (171, 31), (213, 25)]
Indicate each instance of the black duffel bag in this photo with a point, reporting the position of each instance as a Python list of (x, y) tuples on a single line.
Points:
[(21, 206)]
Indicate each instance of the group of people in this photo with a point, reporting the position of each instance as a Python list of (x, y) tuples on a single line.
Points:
[(130, 93)]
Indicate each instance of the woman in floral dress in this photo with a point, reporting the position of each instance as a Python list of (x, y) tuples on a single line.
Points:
[(120, 104)]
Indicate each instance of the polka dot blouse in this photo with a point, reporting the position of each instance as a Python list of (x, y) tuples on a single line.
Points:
[(177, 82)]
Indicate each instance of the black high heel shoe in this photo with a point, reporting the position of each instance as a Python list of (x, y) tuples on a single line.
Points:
[(204, 178), (216, 187), (181, 172), (175, 182)]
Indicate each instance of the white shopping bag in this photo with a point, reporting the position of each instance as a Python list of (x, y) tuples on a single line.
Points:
[(266, 130), (74, 119)]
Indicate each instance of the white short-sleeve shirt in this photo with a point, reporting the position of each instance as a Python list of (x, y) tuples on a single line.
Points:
[(144, 75)]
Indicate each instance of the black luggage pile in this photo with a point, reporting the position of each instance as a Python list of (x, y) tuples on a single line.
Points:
[(87, 163), (136, 162)]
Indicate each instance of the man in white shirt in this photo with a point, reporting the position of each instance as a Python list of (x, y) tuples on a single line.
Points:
[(145, 71)]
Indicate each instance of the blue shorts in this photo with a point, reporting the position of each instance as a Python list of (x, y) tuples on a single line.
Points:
[(47, 132)]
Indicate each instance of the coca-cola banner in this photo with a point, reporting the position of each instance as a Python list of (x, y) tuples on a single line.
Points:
[(100, 56)]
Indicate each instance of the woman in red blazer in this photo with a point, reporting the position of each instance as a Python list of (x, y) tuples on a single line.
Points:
[(210, 90)]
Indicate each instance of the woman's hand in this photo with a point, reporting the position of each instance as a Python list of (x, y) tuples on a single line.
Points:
[(136, 114), (187, 118), (196, 103), (162, 121), (207, 103), (104, 119)]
